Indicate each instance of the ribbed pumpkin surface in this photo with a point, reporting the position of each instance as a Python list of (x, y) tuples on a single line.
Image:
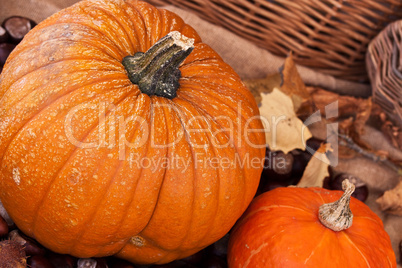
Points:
[(281, 228), (90, 166)]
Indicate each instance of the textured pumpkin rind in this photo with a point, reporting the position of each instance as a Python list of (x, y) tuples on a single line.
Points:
[(281, 229), (88, 201)]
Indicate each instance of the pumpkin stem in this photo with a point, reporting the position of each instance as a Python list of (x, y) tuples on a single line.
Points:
[(156, 72), (337, 215)]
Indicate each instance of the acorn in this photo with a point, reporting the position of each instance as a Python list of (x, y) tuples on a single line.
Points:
[(12, 254)]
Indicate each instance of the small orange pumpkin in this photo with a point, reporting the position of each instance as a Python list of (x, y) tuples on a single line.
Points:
[(299, 227), (122, 133)]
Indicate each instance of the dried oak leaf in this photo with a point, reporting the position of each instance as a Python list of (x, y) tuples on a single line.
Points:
[(355, 126), (288, 80), (347, 105), (380, 120), (292, 83), (391, 200), (284, 131), (352, 115), (263, 85), (362, 116), (279, 96)]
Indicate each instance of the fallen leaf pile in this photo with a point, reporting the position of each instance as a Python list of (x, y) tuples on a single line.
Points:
[(359, 138), (279, 97)]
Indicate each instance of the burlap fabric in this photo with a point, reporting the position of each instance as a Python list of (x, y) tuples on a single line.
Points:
[(250, 62)]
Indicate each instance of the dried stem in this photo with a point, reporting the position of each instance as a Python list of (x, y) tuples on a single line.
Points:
[(337, 215)]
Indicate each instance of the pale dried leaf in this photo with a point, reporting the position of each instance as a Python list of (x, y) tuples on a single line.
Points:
[(391, 201), (263, 85), (288, 80), (316, 169), (279, 97), (284, 130)]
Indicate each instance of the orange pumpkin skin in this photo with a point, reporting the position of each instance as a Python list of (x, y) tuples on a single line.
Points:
[(80, 144), (281, 229)]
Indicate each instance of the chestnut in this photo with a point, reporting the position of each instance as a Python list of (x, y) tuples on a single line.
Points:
[(39, 261), (3, 227), (300, 161), (61, 260), (5, 50), (119, 263), (214, 262), (31, 247), (277, 165), (92, 262), (4, 36), (17, 27)]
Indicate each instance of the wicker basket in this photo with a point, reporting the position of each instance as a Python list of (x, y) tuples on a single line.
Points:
[(330, 36), (384, 64)]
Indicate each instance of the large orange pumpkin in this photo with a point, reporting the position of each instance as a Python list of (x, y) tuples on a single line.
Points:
[(309, 227), (92, 166)]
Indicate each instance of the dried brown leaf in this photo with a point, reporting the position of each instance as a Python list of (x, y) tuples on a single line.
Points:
[(391, 201), (292, 83), (392, 133), (346, 125), (355, 126), (288, 80), (279, 96), (362, 115), (347, 105)]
